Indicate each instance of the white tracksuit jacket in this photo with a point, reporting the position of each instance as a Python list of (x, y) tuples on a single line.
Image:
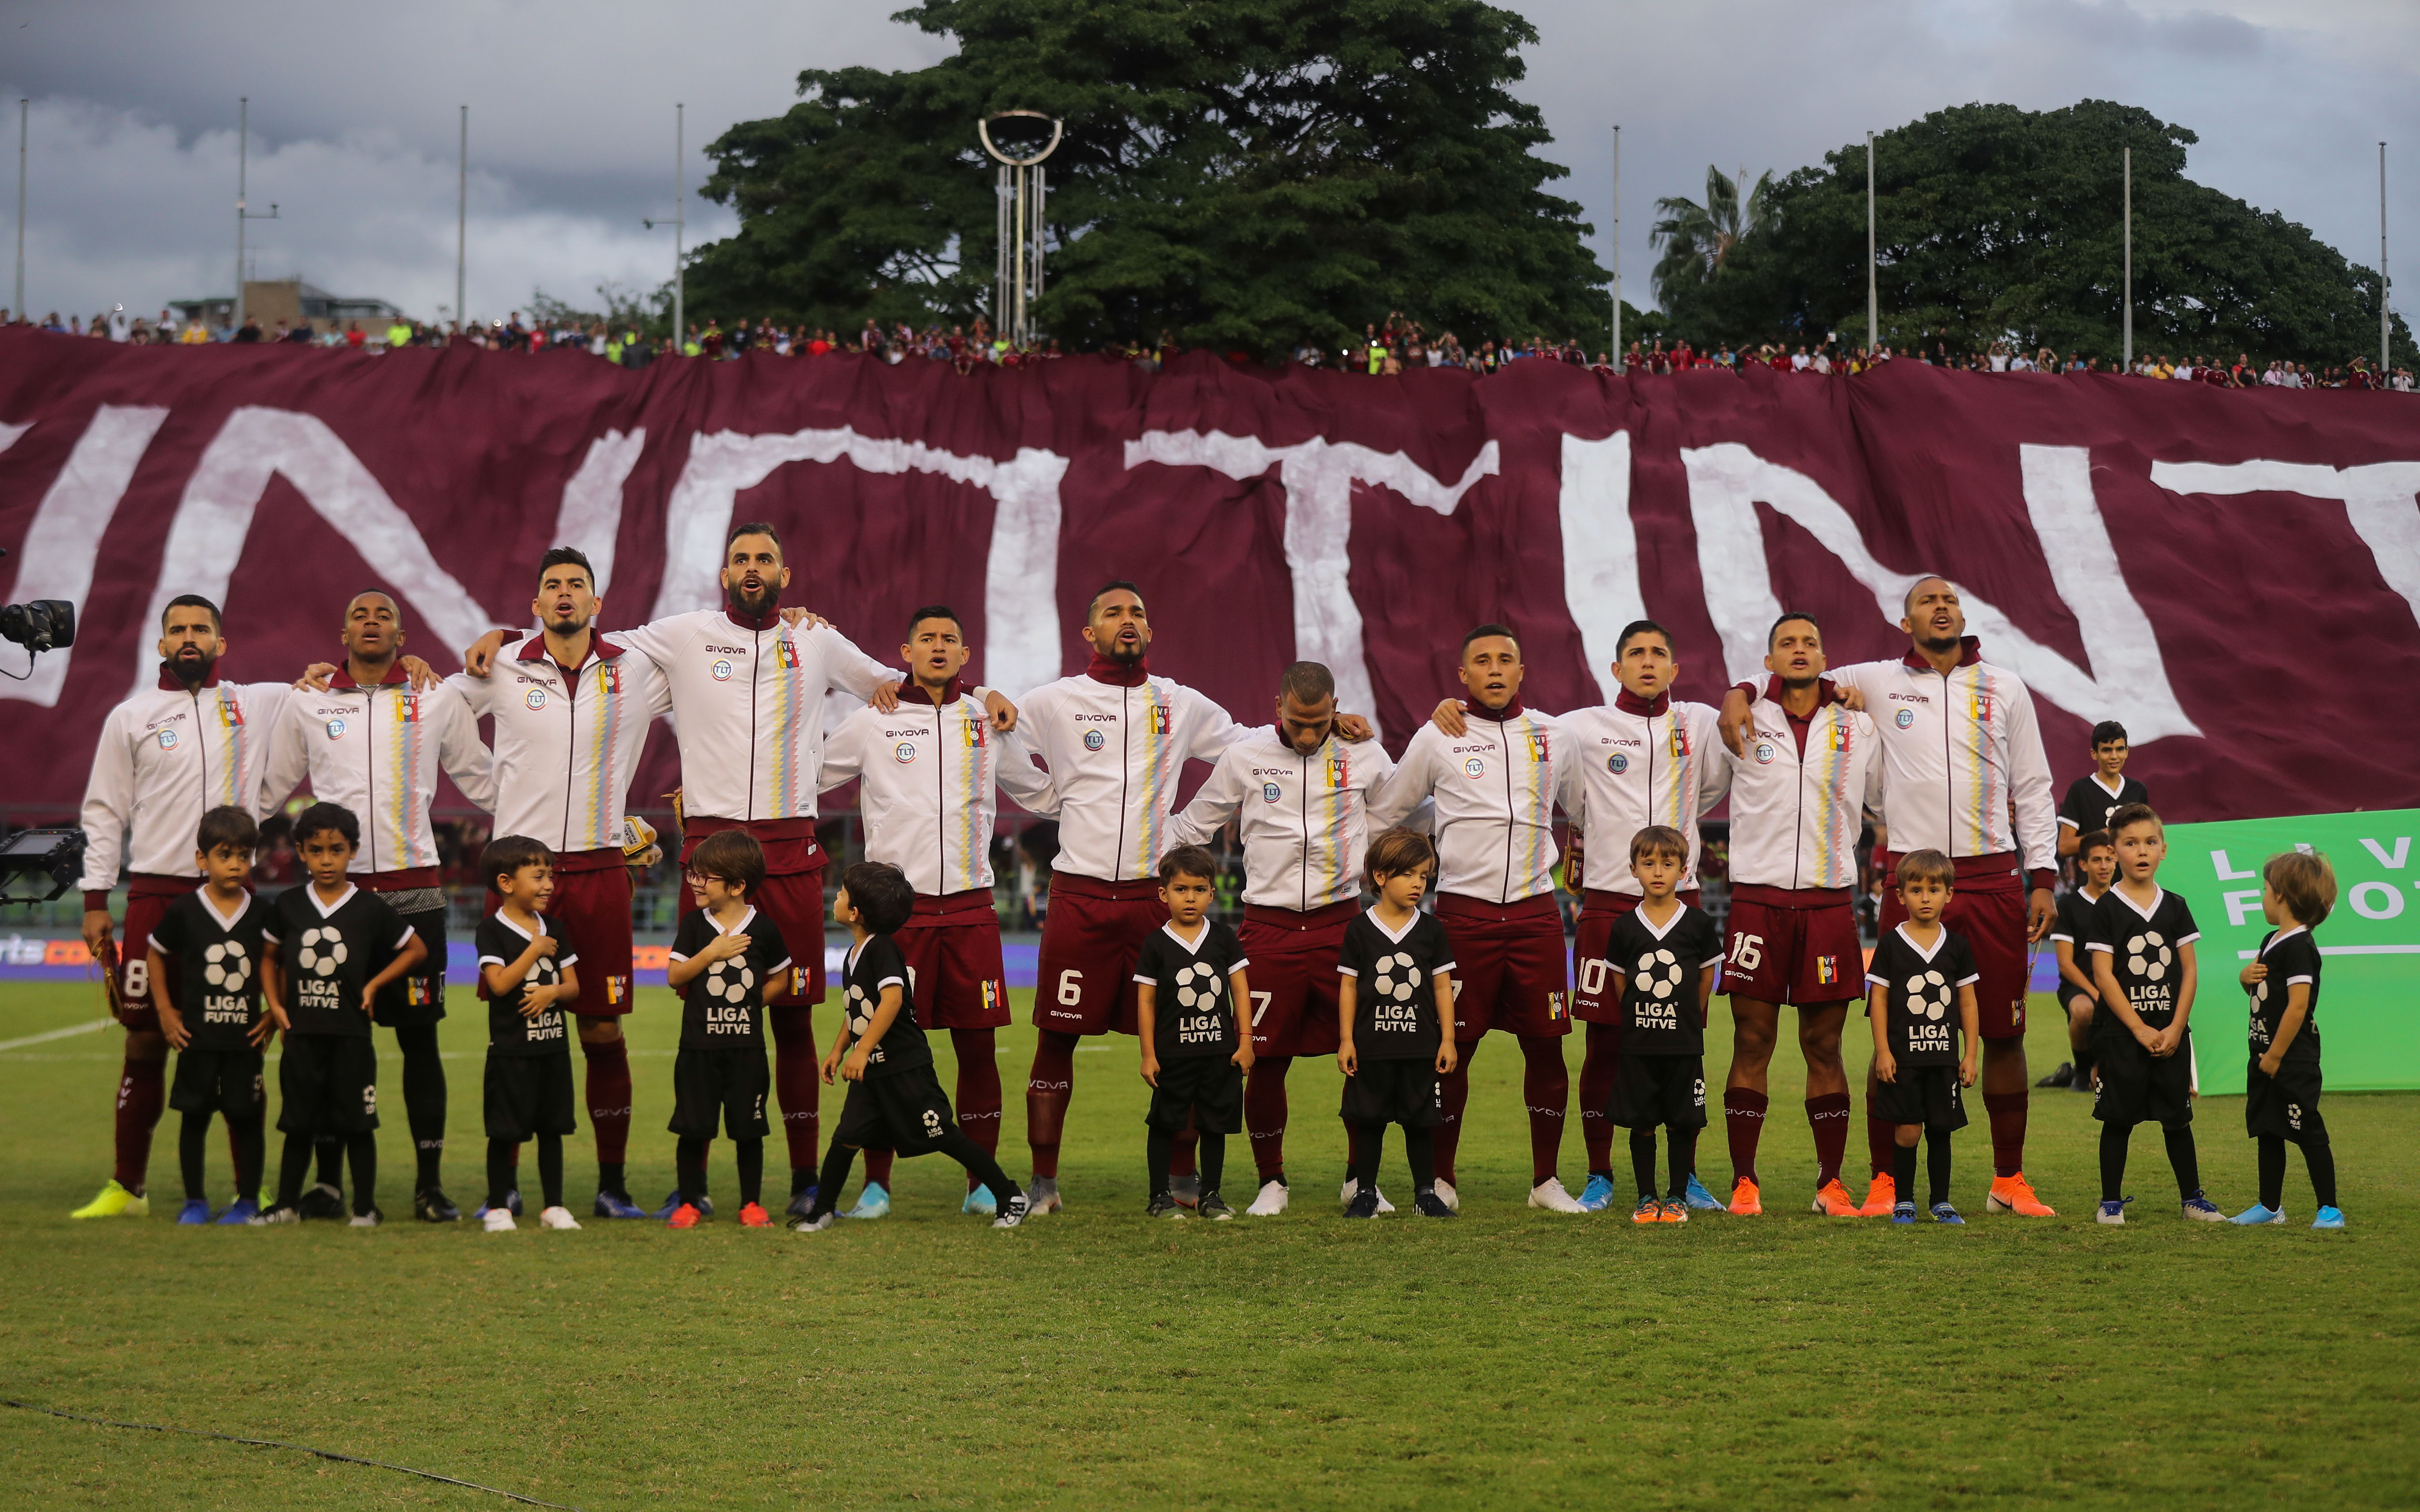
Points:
[(930, 783), (1635, 764), (1795, 820), (166, 756), (1305, 819), (1496, 789), (565, 747), (377, 750), (1114, 753)]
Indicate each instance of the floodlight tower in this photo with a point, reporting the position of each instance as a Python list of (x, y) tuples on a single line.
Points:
[(1023, 195)]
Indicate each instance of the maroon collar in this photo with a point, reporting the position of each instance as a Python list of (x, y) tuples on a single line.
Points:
[(1119, 674), (344, 676), (1630, 703), (1510, 712), (171, 682), (533, 649), (912, 691), (750, 622), (1970, 652), (1823, 694)]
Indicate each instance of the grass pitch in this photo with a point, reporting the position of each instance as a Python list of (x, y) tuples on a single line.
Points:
[(1093, 1359)]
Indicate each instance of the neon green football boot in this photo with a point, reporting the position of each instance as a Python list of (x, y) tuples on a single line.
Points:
[(115, 1202)]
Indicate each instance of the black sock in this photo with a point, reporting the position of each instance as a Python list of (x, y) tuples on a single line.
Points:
[(1680, 1160), (800, 1178), (550, 1167), (979, 1165), (2113, 1161), (2184, 1160), (292, 1168), (748, 1156), (503, 1155), (837, 1159), (1158, 1153), (2320, 1156), (331, 1154), (1210, 1160), (361, 1153), (1419, 1147), (1903, 1173), (192, 1141), (251, 1152), (2273, 1172), (1936, 1166), (1370, 1142), (688, 1166), (2084, 1064), (611, 1177), (1643, 1161), (424, 1099)]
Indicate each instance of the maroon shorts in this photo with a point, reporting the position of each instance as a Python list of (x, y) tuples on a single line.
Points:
[(592, 903), (952, 947), (1509, 970), (1796, 947), (795, 905), (1988, 909), (1084, 981), (147, 904), (1593, 999), (1292, 977)]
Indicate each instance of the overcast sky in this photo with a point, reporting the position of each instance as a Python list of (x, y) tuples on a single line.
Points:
[(133, 139)]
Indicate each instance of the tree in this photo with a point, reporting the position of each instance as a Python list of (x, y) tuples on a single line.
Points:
[(1241, 173), (1997, 223), (1695, 237)]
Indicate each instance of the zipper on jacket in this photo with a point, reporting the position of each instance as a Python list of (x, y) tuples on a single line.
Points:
[(570, 749), (1504, 735), (370, 763), (1798, 824), (1304, 762), (940, 811), (1125, 775), (755, 670), (201, 748)]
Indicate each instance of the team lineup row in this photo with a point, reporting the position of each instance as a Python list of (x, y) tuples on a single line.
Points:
[(1942, 745)]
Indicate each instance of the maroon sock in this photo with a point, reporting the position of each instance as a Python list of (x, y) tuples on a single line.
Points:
[(1264, 1114), (1454, 1095), (1547, 1088), (1744, 1122), (1047, 1088), (796, 1081), (141, 1091), (2007, 1112), (1882, 1146), (1828, 1117), (1180, 1155), (609, 1098), (877, 1168), (1598, 1065), (978, 1090)]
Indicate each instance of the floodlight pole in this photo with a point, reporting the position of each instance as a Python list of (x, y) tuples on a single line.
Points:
[(1616, 352), (1873, 306), (242, 149), (1022, 190), (2126, 158), (461, 219), (680, 225), (2384, 351), (22, 107)]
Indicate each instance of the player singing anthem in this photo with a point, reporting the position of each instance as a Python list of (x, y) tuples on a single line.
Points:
[(1960, 752), (931, 772), (1495, 788), (1301, 796)]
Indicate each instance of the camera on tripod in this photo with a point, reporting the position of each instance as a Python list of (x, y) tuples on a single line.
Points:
[(44, 624)]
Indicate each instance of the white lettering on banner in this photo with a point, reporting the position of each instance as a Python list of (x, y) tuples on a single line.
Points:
[(1021, 571), (2376, 900), (1318, 476), (591, 516), (1728, 481), (2226, 868), (1600, 549), (214, 517), (2378, 499), (2241, 908), (2393, 860), (64, 541)]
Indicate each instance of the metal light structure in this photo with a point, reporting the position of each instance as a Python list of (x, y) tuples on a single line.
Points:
[(22, 107), (1616, 352), (2384, 351), (1873, 306), (2126, 158), (679, 223), (243, 149), (462, 220), (1023, 196)]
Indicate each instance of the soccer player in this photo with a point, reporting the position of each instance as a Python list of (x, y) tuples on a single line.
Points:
[(1798, 794), (1960, 752), (2095, 797), (209, 1010), (1302, 797), (2281, 1101), (1663, 954), (2096, 856), (527, 969), (2142, 945), (336, 947), (166, 756), (571, 711), (895, 1102), (1494, 790), (931, 772), (1190, 984), (1922, 977), (373, 741), (1390, 1047), (727, 957)]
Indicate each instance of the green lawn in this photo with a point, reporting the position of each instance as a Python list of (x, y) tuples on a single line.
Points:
[(1511, 1359)]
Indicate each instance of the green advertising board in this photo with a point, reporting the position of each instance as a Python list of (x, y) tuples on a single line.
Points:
[(2369, 996)]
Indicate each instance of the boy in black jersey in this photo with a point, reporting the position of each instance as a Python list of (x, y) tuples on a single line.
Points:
[(895, 1101), (1391, 1007), (529, 977), (2281, 1092), (1923, 978), (209, 1010), (1663, 954), (338, 947), (2096, 866), (2142, 945), (2093, 799), (1190, 976), (724, 957)]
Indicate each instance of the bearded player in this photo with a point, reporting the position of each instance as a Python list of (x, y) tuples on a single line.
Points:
[(1960, 750), (931, 772), (1302, 796)]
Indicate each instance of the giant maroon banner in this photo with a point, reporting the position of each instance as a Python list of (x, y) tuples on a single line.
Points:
[(2234, 575)]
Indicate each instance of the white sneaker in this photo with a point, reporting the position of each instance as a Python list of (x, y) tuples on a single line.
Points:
[(499, 1220), (1271, 1201), (1041, 1197), (557, 1218), (1351, 1186), (1446, 1194), (1549, 1194)]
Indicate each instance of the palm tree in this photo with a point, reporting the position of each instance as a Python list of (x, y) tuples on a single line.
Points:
[(1695, 237)]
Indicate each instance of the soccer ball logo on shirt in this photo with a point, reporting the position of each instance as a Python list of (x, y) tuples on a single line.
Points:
[(1659, 974), (1197, 986), (2148, 956), (730, 980), (227, 966), (1928, 995), (323, 952), (859, 1010), (1396, 979)]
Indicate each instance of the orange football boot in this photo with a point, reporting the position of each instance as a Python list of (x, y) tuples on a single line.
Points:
[(1832, 1200), (1745, 1198), (754, 1216), (1880, 1198), (684, 1216), (2014, 1193)]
